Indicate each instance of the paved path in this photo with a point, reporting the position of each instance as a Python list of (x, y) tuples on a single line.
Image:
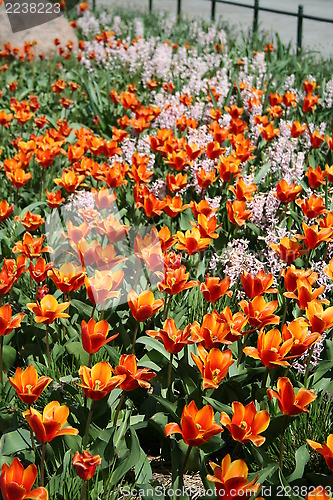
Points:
[(316, 35)]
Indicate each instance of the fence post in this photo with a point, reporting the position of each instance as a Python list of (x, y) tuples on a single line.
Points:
[(213, 10), (299, 28), (150, 6), (179, 7), (255, 16)]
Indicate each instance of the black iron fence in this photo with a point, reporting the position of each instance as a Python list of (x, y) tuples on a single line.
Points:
[(256, 9)]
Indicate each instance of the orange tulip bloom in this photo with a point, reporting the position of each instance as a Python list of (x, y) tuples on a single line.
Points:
[(326, 450), (103, 285), (38, 272), (6, 210), (176, 183), (30, 221), (192, 242), (319, 319), (27, 384), (233, 325), (19, 177), (316, 177), (213, 289), (298, 331), (174, 206), (305, 294), (312, 207), (288, 249), (68, 278), (133, 378), (203, 208), (176, 280), (228, 166), (54, 200), (296, 129), (7, 323), (287, 193), (237, 213), (269, 132), (242, 191), (207, 227), (271, 350), (260, 313), (291, 276), (48, 309), (143, 306), (313, 236), (173, 340), (166, 240), (50, 424), (257, 285), (85, 463), (230, 480), (69, 180), (213, 366), (316, 139), (94, 335), (211, 332), (196, 426), (246, 423), (16, 482), (98, 382), (31, 247), (205, 179), (290, 403)]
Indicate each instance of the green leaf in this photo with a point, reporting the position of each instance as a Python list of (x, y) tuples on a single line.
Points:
[(287, 488), (8, 357), (132, 459), (262, 172), (302, 457)]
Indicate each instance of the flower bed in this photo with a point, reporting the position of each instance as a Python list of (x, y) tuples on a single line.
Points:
[(166, 231)]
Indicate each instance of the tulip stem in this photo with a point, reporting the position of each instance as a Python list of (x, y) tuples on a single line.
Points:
[(308, 363), (166, 307), (42, 462), (1, 353), (183, 469), (83, 491), (85, 439), (264, 380), (170, 370), (32, 441), (134, 337), (122, 399), (48, 345), (241, 347), (284, 426)]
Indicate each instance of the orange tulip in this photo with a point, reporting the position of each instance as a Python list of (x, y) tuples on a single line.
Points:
[(196, 426), (54, 199), (6, 210), (326, 450), (257, 285), (319, 319), (291, 275), (98, 382), (203, 208), (230, 480), (205, 179), (173, 340), (143, 306), (213, 289), (298, 331), (166, 240), (233, 325), (296, 129), (174, 206), (19, 177), (69, 180), (94, 335), (242, 191), (103, 285), (211, 332), (16, 482), (207, 227), (30, 221), (237, 213), (213, 366), (133, 378), (312, 207), (305, 294), (313, 236), (192, 242), (85, 463), (38, 272), (27, 384), (7, 323), (290, 403), (316, 177), (288, 249), (259, 313), (176, 281), (50, 424), (246, 423), (271, 350), (31, 247), (48, 309), (177, 182), (287, 193), (68, 278)]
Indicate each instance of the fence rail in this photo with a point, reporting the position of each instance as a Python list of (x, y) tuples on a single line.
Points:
[(256, 9)]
